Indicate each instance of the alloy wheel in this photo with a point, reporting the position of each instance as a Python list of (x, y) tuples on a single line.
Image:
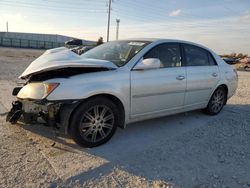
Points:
[(218, 100), (97, 123)]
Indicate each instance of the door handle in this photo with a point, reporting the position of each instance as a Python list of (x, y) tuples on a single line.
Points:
[(180, 77), (214, 74)]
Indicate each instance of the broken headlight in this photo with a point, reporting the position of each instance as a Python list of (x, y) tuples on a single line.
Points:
[(36, 90)]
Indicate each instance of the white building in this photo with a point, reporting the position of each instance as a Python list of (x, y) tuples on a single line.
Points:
[(35, 40)]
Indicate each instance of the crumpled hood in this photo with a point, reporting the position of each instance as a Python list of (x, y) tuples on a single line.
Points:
[(62, 58)]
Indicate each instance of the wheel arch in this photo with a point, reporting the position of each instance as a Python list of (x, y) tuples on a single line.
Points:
[(111, 97), (221, 85), (226, 89)]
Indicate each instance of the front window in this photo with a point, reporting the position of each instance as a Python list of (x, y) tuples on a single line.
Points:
[(169, 54), (118, 52)]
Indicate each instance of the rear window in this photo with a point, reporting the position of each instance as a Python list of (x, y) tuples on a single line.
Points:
[(196, 56)]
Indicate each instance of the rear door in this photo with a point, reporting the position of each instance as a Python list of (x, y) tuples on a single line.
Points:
[(202, 74), (161, 89)]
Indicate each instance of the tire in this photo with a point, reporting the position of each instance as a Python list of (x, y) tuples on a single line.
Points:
[(217, 101), (94, 122)]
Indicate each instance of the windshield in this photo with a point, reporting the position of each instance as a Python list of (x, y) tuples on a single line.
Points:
[(118, 52)]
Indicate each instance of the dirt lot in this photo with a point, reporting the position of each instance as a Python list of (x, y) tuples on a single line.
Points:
[(184, 150)]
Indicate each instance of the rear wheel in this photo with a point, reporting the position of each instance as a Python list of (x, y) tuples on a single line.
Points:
[(94, 122), (217, 101)]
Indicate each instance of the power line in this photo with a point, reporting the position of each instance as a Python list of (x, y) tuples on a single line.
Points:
[(58, 4), (122, 9), (58, 8), (156, 12)]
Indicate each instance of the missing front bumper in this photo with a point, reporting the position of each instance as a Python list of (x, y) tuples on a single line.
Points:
[(56, 114), (15, 112), (31, 112)]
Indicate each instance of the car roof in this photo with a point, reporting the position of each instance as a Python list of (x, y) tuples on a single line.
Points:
[(156, 40)]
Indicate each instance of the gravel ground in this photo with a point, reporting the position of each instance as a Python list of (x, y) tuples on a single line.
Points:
[(184, 150)]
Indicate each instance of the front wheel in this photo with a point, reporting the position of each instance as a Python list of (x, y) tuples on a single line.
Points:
[(216, 102), (94, 122)]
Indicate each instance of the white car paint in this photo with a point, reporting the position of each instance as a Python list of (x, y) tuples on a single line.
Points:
[(144, 94)]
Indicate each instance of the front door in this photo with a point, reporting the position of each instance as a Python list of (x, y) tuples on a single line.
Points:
[(158, 90)]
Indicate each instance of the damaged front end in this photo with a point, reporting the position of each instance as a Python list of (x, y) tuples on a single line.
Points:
[(55, 114), (33, 112), (44, 75), (32, 106), (15, 112)]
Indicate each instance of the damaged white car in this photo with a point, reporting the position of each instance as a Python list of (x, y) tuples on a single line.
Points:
[(90, 95)]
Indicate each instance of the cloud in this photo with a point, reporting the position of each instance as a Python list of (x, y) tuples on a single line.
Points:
[(246, 17), (175, 13), (13, 17), (224, 35)]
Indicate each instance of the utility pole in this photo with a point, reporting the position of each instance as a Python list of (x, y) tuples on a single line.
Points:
[(117, 28), (109, 10), (7, 26)]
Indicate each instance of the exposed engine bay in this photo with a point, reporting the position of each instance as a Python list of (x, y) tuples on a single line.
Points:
[(63, 73)]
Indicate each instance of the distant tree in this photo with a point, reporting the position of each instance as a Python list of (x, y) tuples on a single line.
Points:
[(100, 41), (245, 55), (240, 55), (233, 54), (224, 55)]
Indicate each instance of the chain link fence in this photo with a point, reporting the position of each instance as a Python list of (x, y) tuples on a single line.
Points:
[(24, 43)]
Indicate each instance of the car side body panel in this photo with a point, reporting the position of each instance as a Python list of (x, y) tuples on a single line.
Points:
[(141, 93), (122, 84)]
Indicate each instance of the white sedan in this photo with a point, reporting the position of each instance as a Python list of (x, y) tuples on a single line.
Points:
[(90, 95)]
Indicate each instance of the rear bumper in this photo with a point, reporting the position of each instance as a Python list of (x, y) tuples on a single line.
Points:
[(233, 85)]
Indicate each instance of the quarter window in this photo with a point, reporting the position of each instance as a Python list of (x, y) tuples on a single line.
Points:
[(211, 60), (196, 56), (168, 54)]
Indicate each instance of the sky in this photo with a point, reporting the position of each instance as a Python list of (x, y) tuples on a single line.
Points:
[(222, 25)]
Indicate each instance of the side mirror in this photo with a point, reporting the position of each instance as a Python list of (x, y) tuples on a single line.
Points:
[(150, 63)]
